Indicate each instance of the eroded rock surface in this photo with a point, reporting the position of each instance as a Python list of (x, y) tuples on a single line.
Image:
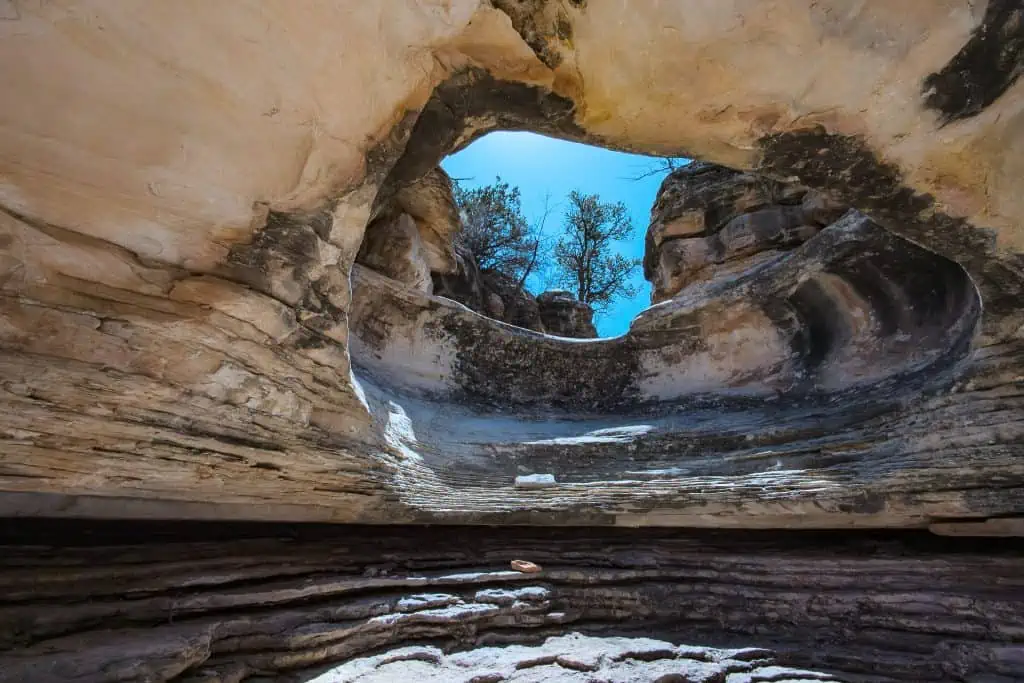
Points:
[(241, 603), (564, 315), (185, 332), (574, 658), (711, 222), (393, 246)]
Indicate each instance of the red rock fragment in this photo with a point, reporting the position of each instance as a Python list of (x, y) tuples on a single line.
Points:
[(525, 567)]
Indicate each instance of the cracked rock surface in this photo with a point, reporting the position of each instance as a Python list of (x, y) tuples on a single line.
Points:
[(573, 658)]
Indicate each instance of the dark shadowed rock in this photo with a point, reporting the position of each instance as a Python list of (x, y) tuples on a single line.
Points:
[(565, 316), (517, 306), (465, 284)]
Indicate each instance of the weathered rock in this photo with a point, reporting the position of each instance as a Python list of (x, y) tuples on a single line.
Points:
[(431, 203), (160, 601), (493, 294), (565, 316), (414, 239), (710, 222), (392, 246), (184, 333), (518, 307), (465, 284), (573, 658)]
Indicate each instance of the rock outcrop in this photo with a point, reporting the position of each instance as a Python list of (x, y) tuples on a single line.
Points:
[(393, 246), (414, 239), (185, 334), (710, 222), (565, 316), (153, 601)]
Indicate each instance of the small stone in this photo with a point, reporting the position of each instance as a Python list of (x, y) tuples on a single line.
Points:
[(535, 481), (525, 567)]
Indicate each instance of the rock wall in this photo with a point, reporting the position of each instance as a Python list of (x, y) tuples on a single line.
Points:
[(710, 222), (218, 603), (185, 334)]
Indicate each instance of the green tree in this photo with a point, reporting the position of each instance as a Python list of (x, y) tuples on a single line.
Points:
[(584, 254), (496, 232)]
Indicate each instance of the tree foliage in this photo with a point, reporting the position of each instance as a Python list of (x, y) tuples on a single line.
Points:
[(585, 256), (494, 229)]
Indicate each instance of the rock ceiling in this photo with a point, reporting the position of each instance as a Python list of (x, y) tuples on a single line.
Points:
[(185, 335)]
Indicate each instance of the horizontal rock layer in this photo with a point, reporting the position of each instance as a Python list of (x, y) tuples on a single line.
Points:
[(183, 333), (158, 602)]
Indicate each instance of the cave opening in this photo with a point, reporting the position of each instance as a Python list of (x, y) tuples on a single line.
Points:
[(814, 407), (759, 286), (538, 232)]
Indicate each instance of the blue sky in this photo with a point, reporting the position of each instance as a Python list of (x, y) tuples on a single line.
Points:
[(539, 165)]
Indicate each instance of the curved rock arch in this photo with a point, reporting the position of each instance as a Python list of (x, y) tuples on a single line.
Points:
[(232, 324), (183, 191)]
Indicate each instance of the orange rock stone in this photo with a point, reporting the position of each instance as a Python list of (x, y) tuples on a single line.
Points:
[(525, 567)]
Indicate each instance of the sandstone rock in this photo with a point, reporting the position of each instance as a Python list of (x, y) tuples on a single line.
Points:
[(518, 307), (535, 481), (465, 284), (563, 315), (430, 202), (493, 294), (185, 335), (394, 248), (162, 601), (711, 222), (185, 332)]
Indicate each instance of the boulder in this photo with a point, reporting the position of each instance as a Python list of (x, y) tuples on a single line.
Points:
[(517, 306), (431, 203), (565, 316)]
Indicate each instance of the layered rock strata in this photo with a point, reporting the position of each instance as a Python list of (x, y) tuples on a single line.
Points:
[(250, 603), (184, 334), (712, 222)]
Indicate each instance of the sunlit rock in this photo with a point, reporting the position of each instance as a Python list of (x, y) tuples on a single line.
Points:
[(711, 222), (185, 334)]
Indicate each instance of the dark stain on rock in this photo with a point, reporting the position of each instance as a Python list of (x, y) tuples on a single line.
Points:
[(845, 167), (281, 256), (986, 66), (382, 156), (848, 170), (530, 21), (470, 97), (563, 28), (285, 261), (497, 368)]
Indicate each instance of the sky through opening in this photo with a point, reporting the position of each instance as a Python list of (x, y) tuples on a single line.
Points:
[(540, 166)]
